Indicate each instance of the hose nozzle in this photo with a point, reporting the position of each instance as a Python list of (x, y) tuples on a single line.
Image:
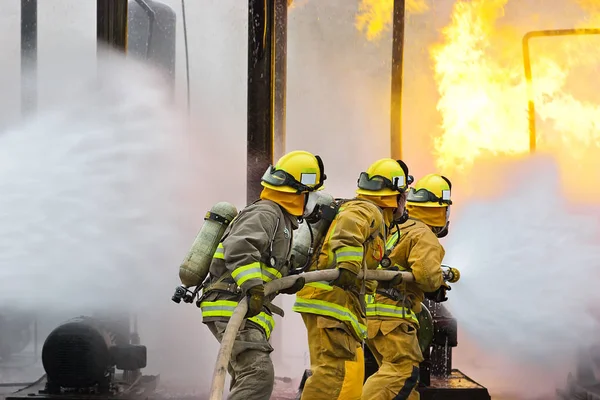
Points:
[(451, 274)]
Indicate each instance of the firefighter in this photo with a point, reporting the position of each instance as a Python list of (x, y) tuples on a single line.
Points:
[(334, 312), (392, 322), (254, 250)]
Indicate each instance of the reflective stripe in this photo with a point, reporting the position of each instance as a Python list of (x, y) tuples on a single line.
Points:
[(247, 272), (388, 310), (400, 267), (349, 253), (225, 308), (219, 253), (269, 274), (391, 242), (219, 308), (265, 321), (320, 285), (328, 309), (256, 270)]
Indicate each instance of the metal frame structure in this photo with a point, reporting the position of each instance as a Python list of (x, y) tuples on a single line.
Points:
[(397, 78), (267, 61), (29, 37), (111, 23), (528, 75), (267, 67)]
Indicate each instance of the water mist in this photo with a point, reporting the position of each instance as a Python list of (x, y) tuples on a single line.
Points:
[(529, 263), (102, 195)]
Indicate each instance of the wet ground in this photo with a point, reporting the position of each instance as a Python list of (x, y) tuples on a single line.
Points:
[(22, 370)]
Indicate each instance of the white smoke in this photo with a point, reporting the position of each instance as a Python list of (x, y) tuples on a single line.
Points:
[(102, 192), (529, 262), (94, 187)]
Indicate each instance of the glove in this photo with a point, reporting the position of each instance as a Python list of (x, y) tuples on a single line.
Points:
[(439, 296), (390, 284), (346, 279), (256, 298), (299, 284), (371, 287)]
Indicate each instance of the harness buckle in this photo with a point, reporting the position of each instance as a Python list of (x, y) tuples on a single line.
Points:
[(224, 287), (396, 295)]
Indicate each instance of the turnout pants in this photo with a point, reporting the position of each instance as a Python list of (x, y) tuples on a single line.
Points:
[(336, 360), (251, 368), (396, 347)]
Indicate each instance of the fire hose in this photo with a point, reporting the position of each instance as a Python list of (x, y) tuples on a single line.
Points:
[(233, 326)]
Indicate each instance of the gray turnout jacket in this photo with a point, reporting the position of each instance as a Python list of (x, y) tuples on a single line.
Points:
[(255, 249)]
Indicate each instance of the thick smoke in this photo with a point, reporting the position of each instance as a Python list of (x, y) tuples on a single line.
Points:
[(103, 190), (101, 184), (529, 263)]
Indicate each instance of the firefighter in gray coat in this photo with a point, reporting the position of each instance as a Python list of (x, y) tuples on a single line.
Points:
[(255, 249)]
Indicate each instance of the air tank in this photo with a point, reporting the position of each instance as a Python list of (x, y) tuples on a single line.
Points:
[(194, 268), (321, 210)]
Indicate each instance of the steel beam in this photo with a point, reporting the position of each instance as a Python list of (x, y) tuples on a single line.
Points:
[(397, 75), (29, 36), (267, 43), (111, 23), (528, 75)]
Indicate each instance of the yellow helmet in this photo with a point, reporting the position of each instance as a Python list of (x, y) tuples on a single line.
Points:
[(296, 172), (432, 190), (385, 177)]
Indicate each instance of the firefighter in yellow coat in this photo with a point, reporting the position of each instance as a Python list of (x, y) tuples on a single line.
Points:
[(391, 313), (334, 312)]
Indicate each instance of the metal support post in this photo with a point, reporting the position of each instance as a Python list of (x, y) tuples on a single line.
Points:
[(528, 76), (29, 36), (111, 23), (397, 72), (267, 43)]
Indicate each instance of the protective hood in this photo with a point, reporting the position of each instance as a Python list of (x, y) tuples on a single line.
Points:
[(432, 216), (292, 203), (381, 201), (388, 203)]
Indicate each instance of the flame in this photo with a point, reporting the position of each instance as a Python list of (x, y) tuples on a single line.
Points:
[(483, 93), (375, 16), (479, 72), (592, 6)]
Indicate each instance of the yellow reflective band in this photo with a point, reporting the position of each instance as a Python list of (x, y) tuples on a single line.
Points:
[(349, 253), (391, 241), (320, 307), (369, 298), (225, 308), (219, 253), (247, 272), (388, 310), (219, 308), (400, 267), (269, 274), (265, 321), (320, 285)]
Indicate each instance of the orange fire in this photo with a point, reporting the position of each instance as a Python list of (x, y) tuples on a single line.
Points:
[(479, 72)]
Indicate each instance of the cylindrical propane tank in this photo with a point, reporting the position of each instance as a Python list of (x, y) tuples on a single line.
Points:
[(194, 268), (321, 210)]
